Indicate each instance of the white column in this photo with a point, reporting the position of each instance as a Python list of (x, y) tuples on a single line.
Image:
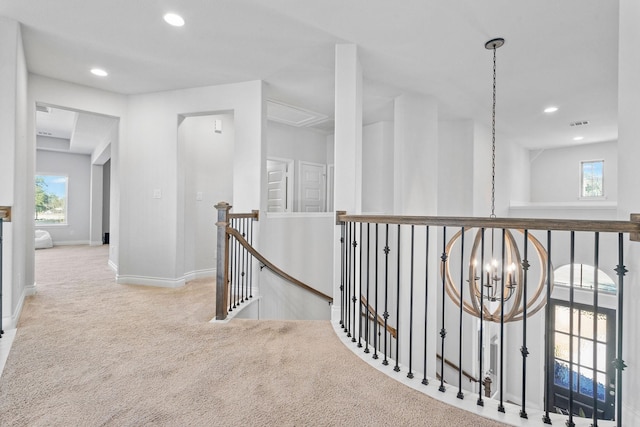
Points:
[(415, 158), (629, 197), (347, 148), (348, 130)]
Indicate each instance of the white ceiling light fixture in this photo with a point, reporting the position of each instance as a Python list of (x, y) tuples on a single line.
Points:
[(174, 19), (551, 109), (99, 72), (578, 138)]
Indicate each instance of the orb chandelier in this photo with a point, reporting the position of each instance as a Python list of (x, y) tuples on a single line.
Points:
[(497, 273)]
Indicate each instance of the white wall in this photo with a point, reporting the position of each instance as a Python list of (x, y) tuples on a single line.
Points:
[(152, 249), (77, 167), (301, 245), (16, 169), (207, 158), (629, 196), (555, 173), (455, 168), (377, 168)]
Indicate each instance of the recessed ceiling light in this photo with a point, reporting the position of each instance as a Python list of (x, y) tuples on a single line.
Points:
[(99, 72), (578, 138), (551, 109), (174, 19)]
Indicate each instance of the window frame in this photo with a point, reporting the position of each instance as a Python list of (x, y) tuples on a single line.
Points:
[(581, 195), (65, 221)]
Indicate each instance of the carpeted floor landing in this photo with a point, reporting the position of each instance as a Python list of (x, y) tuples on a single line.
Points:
[(89, 352)]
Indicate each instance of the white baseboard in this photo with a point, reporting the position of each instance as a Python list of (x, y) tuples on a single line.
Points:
[(150, 281), (112, 265), (71, 243), (95, 243), (11, 321), (197, 274)]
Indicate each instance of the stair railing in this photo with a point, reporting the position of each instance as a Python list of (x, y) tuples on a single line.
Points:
[(234, 261), (382, 256)]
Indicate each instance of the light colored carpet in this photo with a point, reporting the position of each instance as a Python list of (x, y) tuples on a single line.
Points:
[(89, 352)]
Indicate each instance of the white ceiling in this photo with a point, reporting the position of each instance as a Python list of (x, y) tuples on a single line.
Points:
[(557, 52)]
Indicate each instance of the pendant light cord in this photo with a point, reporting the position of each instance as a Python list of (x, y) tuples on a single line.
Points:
[(493, 140)]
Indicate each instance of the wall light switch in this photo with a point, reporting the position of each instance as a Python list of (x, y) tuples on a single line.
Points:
[(157, 194), (199, 196)]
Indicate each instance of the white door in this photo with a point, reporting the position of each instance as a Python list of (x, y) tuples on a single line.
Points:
[(278, 186), (312, 187)]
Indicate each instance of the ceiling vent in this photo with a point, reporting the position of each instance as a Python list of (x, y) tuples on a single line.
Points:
[(293, 116), (579, 123)]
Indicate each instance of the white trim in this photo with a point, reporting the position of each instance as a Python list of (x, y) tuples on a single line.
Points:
[(238, 310), (5, 346), (588, 204), (96, 243), (71, 243), (275, 215), (112, 265), (150, 281), (197, 274)]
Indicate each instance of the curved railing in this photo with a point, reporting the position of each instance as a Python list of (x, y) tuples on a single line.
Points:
[(411, 289)]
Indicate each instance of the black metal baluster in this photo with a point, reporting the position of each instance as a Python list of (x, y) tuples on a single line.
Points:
[(386, 291), (376, 326), (360, 293), (410, 374), (366, 325), (443, 331), (342, 281), (241, 263), (502, 301), (480, 401), (354, 299), (523, 350), (618, 363), (251, 259), (425, 381), (572, 254), (397, 367), (246, 260), (596, 262), (348, 300), (460, 395), (547, 337), (237, 267)]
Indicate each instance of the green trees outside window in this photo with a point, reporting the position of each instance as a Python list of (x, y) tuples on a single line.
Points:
[(51, 199)]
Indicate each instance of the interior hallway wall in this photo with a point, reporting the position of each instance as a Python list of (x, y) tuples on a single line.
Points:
[(207, 157)]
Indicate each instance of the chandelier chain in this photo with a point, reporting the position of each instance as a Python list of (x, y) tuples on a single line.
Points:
[(493, 140)]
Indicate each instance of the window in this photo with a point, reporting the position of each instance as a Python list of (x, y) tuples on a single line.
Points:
[(592, 179), (51, 199)]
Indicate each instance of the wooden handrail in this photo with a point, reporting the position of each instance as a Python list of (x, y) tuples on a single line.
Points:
[(254, 214), (454, 366), (233, 232), (392, 331), (632, 227)]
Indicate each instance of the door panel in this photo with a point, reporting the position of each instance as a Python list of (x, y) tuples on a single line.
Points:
[(277, 186), (312, 187)]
